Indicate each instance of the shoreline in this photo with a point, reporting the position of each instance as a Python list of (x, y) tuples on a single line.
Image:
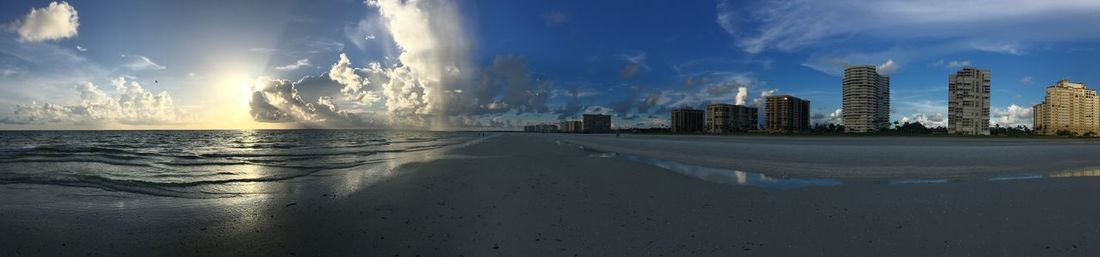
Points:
[(867, 158)]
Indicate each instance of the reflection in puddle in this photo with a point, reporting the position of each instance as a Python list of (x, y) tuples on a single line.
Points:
[(724, 176), (919, 181), (1023, 177), (736, 177), (1080, 173)]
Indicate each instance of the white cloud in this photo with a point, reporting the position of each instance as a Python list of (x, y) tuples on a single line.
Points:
[(296, 65), (833, 63), (53, 22), (435, 54), (1011, 116), (742, 95), (760, 101), (836, 117), (130, 104), (888, 67), (789, 25), (952, 63), (928, 120), (356, 81), (1027, 80), (138, 62)]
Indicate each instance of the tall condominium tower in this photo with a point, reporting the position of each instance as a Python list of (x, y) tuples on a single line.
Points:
[(596, 123), (686, 120), (866, 101), (723, 118), (968, 102), (784, 113), (1069, 107)]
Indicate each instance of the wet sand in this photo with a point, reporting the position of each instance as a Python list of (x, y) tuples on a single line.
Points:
[(532, 195), (859, 157)]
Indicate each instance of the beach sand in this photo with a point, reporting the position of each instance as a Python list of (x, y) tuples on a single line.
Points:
[(539, 195)]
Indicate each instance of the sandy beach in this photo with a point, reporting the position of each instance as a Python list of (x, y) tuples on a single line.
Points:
[(542, 195)]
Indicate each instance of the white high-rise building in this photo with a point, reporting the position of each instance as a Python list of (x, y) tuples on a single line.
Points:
[(866, 104), (968, 102)]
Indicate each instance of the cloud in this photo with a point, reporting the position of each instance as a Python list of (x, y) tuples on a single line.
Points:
[(130, 104), (554, 18), (434, 56), (571, 108), (635, 62), (836, 117), (53, 22), (359, 84), (359, 33), (520, 92), (294, 66), (9, 71), (1027, 80), (951, 64), (630, 70), (834, 63), (262, 50), (634, 103), (278, 101), (138, 62), (742, 95), (1011, 116), (888, 67), (760, 101), (790, 25), (932, 120), (433, 82)]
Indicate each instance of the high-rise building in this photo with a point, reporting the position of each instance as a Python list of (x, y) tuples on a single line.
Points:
[(597, 123), (784, 113), (571, 126), (744, 118), (968, 102), (718, 118), (1069, 107), (866, 103), (541, 128), (686, 120), (723, 118)]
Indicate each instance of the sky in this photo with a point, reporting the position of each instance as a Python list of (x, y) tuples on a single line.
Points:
[(496, 64)]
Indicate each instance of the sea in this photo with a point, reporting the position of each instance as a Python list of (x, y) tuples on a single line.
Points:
[(200, 164)]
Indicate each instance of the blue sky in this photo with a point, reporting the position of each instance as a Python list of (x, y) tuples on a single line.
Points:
[(502, 64)]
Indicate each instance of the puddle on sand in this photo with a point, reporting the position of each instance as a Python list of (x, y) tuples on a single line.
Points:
[(724, 176), (737, 177)]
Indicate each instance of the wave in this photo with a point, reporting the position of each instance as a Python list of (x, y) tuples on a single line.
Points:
[(186, 164)]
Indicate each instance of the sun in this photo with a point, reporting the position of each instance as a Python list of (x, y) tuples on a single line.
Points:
[(229, 96)]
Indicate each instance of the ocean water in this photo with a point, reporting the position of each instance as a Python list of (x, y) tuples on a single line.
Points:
[(198, 163)]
